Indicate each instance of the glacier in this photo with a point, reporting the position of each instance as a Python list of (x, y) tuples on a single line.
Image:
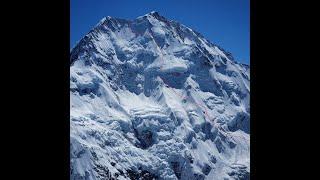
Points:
[(151, 98)]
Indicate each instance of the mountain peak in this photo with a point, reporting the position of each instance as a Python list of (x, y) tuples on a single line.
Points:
[(153, 14), (152, 98)]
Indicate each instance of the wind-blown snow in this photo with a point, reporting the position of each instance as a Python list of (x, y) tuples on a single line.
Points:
[(153, 99)]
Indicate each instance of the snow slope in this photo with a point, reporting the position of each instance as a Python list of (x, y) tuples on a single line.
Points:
[(153, 99)]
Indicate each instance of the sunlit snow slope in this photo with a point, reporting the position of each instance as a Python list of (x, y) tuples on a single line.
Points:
[(153, 99)]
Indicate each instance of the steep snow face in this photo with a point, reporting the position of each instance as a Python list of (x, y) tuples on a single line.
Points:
[(153, 99)]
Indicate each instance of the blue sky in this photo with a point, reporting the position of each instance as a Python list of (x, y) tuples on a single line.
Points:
[(223, 22)]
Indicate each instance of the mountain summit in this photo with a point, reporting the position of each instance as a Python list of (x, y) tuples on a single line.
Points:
[(153, 99)]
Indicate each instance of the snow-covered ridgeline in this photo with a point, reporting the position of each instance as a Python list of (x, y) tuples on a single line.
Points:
[(151, 98)]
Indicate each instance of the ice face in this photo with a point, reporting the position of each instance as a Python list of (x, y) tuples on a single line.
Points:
[(152, 98)]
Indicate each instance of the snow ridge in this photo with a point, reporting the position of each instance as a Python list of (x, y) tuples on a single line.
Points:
[(153, 99)]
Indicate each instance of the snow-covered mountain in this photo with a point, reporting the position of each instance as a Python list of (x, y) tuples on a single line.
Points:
[(153, 99)]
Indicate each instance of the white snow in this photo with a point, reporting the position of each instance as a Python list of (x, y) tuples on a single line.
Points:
[(142, 97)]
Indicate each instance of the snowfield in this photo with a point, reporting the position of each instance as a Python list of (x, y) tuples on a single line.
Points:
[(153, 99)]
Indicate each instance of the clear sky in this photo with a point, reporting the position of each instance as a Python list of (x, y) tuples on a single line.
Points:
[(223, 22)]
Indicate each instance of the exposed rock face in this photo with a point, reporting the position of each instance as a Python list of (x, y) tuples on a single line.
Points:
[(153, 99)]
